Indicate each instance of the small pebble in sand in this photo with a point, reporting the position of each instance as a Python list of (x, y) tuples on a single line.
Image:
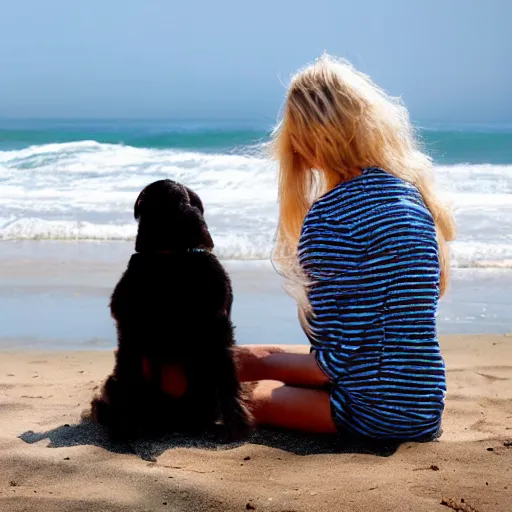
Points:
[(249, 506), (508, 444), (66, 458), (434, 467), (164, 503), (460, 507), (490, 449), (247, 458), (12, 483)]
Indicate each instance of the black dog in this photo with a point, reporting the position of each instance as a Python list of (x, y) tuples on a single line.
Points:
[(172, 307)]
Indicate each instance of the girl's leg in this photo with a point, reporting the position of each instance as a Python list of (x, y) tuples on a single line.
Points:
[(292, 365), (285, 395), (278, 405)]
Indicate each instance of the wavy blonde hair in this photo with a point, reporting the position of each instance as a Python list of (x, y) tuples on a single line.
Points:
[(335, 123)]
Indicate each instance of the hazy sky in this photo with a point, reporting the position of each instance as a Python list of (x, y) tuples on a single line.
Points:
[(451, 60)]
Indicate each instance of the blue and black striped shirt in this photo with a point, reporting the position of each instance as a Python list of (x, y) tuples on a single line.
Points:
[(369, 246)]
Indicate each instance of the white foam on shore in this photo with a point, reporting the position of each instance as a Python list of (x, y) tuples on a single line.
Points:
[(85, 191)]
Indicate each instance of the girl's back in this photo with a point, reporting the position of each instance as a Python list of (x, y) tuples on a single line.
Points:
[(369, 247)]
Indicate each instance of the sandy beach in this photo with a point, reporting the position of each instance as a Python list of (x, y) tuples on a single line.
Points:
[(56, 347), (49, 461)]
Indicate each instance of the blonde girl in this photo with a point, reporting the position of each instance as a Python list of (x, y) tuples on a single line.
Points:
[(362, 244)]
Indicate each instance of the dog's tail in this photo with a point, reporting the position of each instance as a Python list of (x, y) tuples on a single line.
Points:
[(112, 410), (100, 412)]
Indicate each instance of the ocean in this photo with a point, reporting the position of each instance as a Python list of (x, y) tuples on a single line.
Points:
[(78, 180)]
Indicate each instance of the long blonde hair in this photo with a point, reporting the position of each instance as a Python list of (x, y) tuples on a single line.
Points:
[(335, 123)]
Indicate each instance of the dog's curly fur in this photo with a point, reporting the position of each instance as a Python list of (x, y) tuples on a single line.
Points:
[(172, 306)]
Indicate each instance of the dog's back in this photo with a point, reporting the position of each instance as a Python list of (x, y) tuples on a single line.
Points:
[(168, 304)]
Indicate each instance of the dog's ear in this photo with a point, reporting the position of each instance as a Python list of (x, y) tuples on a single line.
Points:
[(193, 229), (195, 213), (137, 207), (195, 200)]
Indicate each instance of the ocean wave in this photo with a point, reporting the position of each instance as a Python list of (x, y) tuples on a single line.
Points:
[(230, 245), (85, 191)]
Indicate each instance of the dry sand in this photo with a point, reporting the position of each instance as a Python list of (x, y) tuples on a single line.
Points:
[(51, 462)]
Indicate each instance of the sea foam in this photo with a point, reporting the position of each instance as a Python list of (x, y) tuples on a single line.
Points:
[(85, 191)]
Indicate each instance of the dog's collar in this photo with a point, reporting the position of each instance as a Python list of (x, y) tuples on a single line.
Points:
[(194, 249), (197, 250)]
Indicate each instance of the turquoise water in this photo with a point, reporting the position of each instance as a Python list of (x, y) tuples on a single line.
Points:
[(449, 145), (140, 134)]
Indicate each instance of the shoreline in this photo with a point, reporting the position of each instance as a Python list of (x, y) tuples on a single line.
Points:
[(50, 461), (55, 295)]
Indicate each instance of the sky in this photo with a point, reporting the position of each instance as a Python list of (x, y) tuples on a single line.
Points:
[(450, 60)]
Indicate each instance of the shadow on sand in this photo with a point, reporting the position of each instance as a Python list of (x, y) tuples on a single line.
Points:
[(89, 433)]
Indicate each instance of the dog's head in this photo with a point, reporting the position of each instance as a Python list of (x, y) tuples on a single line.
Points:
[(170, 218)]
